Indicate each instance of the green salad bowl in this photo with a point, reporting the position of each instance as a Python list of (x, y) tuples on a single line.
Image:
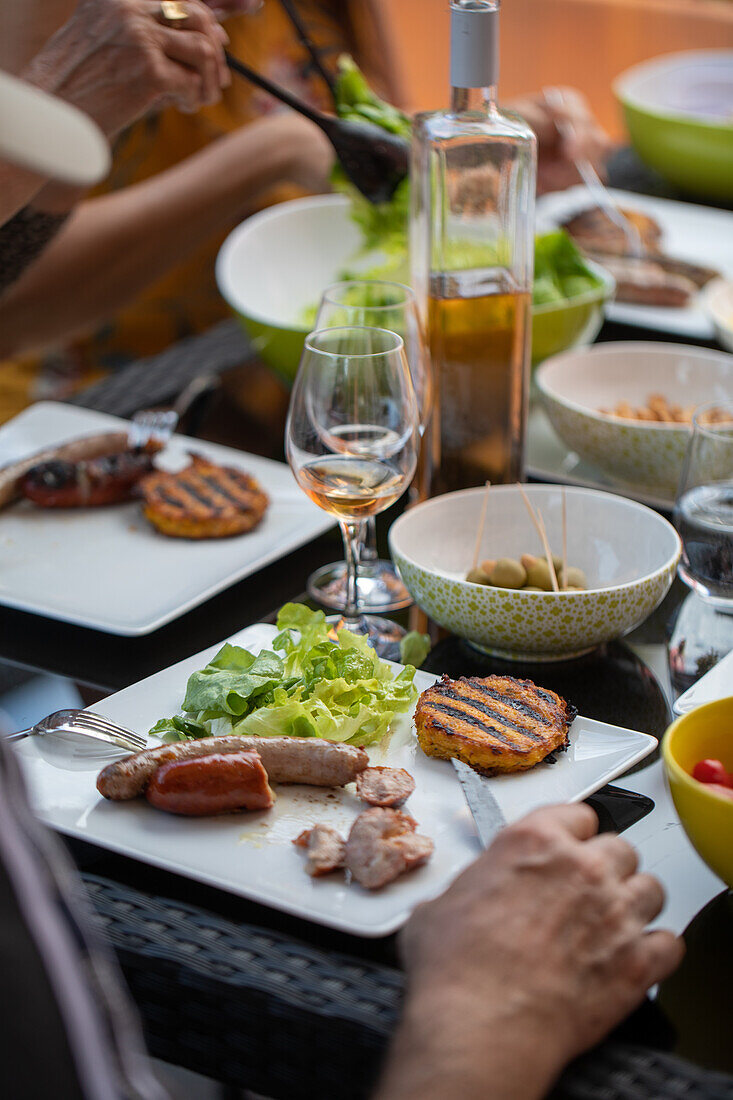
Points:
[(274, 267), (679, 115)]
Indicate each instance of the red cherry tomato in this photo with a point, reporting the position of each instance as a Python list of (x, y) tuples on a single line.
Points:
[(711, 771), (719, 790)]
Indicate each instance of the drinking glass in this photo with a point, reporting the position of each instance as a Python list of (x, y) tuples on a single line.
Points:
[(704, 508), (392, 306), (703, 514), (352, 438)]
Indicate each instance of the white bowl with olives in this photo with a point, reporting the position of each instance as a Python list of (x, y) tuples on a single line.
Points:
[(620, 562)]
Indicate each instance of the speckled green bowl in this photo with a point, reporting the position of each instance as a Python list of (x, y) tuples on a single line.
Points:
[(628, 552), (277, 264), (674, 111), (576, 385)]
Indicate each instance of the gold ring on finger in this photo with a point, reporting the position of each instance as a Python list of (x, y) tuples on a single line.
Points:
[(173, 12)]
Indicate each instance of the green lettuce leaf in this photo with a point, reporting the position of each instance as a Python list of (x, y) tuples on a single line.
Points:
[(308, 685)]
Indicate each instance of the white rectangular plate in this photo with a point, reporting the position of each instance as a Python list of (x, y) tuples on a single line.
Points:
[(253, 855), (698, 234), (108, 568), (714, 685)]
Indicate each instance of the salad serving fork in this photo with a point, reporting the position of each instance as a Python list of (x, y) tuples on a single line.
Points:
[(85, 723)]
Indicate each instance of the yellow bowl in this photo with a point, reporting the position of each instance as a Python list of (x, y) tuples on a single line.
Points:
[(706, 732)]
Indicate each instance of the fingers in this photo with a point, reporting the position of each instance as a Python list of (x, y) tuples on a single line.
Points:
[(196, 52), (663, 952), (646, 896), (619, 854), (578, 819)]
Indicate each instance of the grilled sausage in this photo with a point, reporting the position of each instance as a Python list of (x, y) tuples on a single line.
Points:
[(325, 847), (286, 760), (384, 786), (383, 845), (90, 446), (109, 479), (217, 784)]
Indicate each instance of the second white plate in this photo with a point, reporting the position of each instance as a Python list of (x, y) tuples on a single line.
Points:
[(108, 568)]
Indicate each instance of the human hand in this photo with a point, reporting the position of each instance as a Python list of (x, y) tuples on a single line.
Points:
[(118, 59), (566, 131), (534, 953)]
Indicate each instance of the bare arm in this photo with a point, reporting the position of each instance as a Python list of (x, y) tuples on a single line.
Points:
[(114, 246)]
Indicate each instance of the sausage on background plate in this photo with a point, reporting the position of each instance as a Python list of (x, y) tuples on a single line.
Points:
[(218, 784), (77, 450), (109, 479)]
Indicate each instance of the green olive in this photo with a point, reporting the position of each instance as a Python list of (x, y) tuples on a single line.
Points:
[(508, 573), (477, 576), (557, 562), (528, 560), (571, 588), (487, 565), (538, 575), (574, 578), (532, 588)]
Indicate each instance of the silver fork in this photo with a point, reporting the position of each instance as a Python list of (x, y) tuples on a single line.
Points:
[(151, 425), (87, 724)]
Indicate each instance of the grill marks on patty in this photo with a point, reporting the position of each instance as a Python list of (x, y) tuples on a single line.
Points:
[(493, 723), (204, 500)]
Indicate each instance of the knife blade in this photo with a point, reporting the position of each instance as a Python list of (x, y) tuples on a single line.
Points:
[(487, 814)]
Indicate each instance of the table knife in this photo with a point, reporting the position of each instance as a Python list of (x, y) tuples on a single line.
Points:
[(487, 814)]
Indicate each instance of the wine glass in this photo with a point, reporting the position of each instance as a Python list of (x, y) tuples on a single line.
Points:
[(703, 516), (352, 438), (392, 306)]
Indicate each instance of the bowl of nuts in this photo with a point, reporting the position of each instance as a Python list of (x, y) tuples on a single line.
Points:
[(535, 572), (627, 407)]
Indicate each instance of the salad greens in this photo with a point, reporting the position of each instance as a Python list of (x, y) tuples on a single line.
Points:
[(308, 685), (560, 270)]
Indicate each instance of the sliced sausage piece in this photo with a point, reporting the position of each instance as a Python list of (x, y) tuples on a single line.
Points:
[(325, 847), (286, 760), (215, 784), (384, 786), (108, 479), (383, 845)]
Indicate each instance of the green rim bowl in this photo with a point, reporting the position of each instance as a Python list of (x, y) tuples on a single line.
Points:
[(276, 265), (628, 552), (675, 113)]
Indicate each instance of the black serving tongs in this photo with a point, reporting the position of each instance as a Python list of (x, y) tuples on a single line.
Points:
[(374, 160)]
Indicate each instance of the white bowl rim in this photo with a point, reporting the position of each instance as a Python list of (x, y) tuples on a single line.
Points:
[(254, 221), (659, 64), (651, 347), (572, 490)]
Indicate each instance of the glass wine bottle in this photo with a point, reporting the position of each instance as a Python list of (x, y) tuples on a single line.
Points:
[(473, 182)]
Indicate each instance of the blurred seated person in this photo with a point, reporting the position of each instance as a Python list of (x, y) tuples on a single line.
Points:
[(132, 271)]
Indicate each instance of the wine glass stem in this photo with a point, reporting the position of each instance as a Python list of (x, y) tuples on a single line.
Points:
[(353, 534), (369, 546)]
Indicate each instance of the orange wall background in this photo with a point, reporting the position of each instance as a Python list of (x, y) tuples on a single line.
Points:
[(584, 43)]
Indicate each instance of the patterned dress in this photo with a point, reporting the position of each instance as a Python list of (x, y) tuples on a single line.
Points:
[(185, 300)]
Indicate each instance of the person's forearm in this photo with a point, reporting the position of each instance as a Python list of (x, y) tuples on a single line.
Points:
[(18, 187), (444, 1049), (114, 246)]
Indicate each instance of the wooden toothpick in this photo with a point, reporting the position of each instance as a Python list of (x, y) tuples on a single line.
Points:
[(540, 529), (548, 555), (564, 538), (481, 524)]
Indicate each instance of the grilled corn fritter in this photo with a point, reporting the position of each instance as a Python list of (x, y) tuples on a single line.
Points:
[(204, 501), (494, 723)]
